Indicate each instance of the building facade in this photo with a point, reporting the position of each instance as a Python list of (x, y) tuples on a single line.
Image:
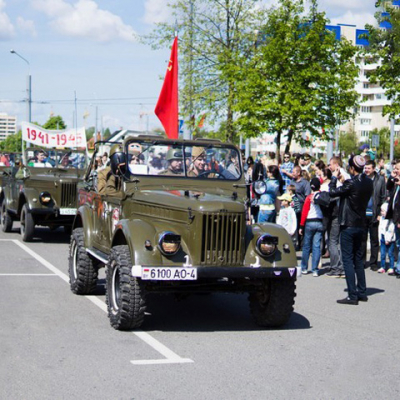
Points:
[(8, 126)]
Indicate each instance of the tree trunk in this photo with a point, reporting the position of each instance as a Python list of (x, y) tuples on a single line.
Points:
[(278, 146), (289, 140)]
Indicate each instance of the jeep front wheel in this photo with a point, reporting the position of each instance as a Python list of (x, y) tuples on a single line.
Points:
[(6, 220), (272, 304), (82, 269), (27, 224), (125, 294)]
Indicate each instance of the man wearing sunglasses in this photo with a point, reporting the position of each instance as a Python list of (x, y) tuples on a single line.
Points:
[(286, 170)]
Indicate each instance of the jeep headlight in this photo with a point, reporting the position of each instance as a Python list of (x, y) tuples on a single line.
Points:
[(45, 198), (169, 243), (259, 187), (266, 245)]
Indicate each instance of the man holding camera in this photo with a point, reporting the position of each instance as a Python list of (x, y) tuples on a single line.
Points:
[(393, 186)]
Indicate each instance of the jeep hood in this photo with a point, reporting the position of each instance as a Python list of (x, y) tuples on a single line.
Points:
[(196, 200)]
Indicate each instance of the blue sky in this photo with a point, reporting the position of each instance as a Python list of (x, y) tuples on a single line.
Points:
[(89, 47)]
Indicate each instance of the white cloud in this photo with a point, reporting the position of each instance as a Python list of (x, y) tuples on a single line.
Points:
[(156, 11), (6, 27), (27, 26), (84, 19), (345, 4), (358, 19)]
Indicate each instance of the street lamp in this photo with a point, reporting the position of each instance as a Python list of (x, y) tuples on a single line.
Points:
[(29, 85)]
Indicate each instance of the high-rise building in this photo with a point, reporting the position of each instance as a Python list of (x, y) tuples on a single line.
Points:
[(8, 125), (368, 115)]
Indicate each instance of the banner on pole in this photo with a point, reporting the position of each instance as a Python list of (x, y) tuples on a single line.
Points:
[(70, 138)]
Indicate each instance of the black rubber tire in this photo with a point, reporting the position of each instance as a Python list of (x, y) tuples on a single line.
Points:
[(125, 294), (272, 305), (6, 220), (83, 271), (27, 224), (68, 229)]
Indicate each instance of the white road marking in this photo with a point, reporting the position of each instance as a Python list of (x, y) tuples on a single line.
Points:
[(170, 356)]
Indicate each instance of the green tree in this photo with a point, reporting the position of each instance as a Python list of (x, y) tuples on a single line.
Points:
[(12, 143), (211, 34), (384, 140), (348, 142), (384, 44), (55, 123), (299, 79), (106, 134)]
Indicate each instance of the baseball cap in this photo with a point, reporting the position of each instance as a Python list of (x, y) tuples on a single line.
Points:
[(286, 196)]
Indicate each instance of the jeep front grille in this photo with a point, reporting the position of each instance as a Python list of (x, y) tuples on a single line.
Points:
[(68, 195), (222, 239)]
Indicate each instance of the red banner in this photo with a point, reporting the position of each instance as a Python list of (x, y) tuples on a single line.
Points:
[(167, 105)]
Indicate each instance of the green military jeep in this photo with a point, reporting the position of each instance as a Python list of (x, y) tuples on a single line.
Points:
[(174, 221), (42, 191)]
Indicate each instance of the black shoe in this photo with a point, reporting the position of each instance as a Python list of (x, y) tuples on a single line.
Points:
[(333, 274), (348, 300), (398, 276), (374, 268), (363, 298)]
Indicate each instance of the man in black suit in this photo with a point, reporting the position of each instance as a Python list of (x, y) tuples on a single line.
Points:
[(393, 187)]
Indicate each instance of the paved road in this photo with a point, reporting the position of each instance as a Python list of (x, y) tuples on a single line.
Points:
[(55, 345)]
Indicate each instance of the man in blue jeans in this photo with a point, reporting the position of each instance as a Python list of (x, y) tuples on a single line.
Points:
[(354, 195)]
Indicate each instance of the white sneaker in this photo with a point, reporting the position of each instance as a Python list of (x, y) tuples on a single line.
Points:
[(304, 271), (315, 273)]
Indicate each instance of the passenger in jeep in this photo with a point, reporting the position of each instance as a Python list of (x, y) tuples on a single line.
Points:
[(175, 159)]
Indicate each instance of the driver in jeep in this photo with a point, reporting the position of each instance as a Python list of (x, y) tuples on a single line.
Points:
[(108, 181), (197, 169)]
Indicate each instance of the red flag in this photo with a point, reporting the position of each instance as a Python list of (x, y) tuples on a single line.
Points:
[(167, 105)]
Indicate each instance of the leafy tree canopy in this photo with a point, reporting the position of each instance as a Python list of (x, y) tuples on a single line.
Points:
[(12, 143), (300, 78), (385, 44), (55, 123)]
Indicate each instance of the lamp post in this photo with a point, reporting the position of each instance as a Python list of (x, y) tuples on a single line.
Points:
[(29, 85)]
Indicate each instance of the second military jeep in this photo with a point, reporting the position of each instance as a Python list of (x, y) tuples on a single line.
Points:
[(42, 190), (175, 222)]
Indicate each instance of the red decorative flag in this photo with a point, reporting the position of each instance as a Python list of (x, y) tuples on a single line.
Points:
[(167, 105)]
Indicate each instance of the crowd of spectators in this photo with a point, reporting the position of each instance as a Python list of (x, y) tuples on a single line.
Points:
[(362, 207)]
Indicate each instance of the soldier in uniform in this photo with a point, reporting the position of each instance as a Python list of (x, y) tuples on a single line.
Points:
[(198, 162), (175, 160), (108, 179)]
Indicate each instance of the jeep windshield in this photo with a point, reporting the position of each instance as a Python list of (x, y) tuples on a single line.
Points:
[(209, 161), (61, 159)]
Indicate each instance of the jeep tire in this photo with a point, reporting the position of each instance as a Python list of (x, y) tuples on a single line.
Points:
[(125, 294), (27, 224), (82, 269), (6, 220), (272, 304)]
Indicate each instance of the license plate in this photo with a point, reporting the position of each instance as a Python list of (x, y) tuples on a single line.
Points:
[(169, 274), (67, 211)]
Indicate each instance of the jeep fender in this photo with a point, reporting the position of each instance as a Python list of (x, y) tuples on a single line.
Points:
[(27, 196), (83, 219), (281, 258), (135, 232)]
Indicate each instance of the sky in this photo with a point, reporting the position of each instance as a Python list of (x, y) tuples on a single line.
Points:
[(88, 50)]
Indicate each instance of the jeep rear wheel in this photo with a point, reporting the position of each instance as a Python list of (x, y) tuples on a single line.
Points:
[(6, 220), (272, 304), (125, 294), (27, 224), (82, 269)]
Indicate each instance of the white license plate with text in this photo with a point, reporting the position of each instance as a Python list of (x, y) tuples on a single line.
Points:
[(67, 211), (169, 274)]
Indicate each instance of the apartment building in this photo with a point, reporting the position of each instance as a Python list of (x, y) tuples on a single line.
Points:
[(368, 115), (8, 125)]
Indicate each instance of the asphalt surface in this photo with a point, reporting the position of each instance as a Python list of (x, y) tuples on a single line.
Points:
[(56, 345)]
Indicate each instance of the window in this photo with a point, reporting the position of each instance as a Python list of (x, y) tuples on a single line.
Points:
[(378, 96), (364, 134), (365, 109), (366, 85), (365, 121)]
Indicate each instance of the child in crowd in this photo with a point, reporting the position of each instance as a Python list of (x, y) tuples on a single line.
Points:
[(387, 237), (295, 203), (287, 216), (312, 227)]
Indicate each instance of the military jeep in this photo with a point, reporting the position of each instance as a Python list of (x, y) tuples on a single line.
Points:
[(42, 190), (176, 223)]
